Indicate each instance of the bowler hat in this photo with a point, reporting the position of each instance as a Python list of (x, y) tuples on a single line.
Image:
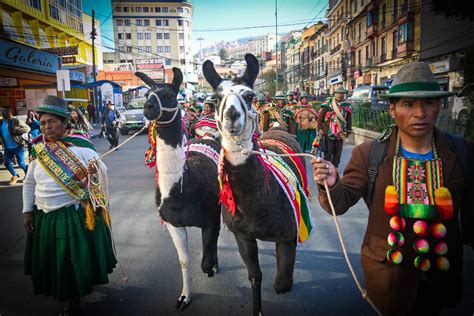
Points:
[(415, 80), (54, 105), (340, 90)]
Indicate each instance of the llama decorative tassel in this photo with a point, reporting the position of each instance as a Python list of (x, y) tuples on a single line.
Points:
[(90, 217)]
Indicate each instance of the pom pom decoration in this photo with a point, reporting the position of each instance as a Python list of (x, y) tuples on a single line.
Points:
[(438, 230), (421, 246), (394, 256), (396, 239), (422, 264), (441, 248), (444, 203), (442, 263), (90, 217), (397, 223), (391, 204), (421, 228)]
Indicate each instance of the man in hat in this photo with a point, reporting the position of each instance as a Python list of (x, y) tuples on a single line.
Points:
[(306, 119), (110, 122), (290, 100), (279, 115), (420, 199), (335, 123), (11, 131)]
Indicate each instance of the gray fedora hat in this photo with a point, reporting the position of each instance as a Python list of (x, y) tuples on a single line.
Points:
[(279, 95), (415, 80), (340, 90)]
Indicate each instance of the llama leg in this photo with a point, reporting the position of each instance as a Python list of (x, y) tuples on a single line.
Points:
[(248, 250), (210, 235), (180, 240), (286, 253)]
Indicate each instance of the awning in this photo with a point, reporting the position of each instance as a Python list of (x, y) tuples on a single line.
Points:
[(98, 83)]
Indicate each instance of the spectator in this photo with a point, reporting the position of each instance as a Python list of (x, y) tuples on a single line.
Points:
[(79, 123), (110, 123), (32, 120), (92, 113), (11, 131)]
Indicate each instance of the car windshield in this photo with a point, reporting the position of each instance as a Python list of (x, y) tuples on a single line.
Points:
[(136, 104), (361, 92)]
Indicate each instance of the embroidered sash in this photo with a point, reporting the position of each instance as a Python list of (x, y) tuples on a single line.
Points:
[(64, 167)]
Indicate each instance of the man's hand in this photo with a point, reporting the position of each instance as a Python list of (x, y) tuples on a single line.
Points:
[(324, 170), (28, 222), (91, 167)]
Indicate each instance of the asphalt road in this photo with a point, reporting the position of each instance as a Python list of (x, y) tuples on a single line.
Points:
[(322, 281)]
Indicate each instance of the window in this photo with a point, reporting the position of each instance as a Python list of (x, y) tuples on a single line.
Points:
[(356, 7), (369, 18), (180, 9), (126, 22), (395, 10), (384, 12), (126, 9), (128, 36), (120, 36), (187, 23), (122, 61), (148, 49), (383, 55), (147, 36), (129, 49), (140, 36), (166, 22), (119, 22), (181, 49), (146, 9), (138, 9), (183, 61), (181, 36), (394, 44), (157, 9), (118, 9), (160, 49), (167, 62), (164, 9), (359, 59), (146, 22), (167, 49), (166, 35), (159, 36), (140, 49), (158, 22), (122, 49), (187, 11), (405, 32), (180, 22), (367, 52), (139, 22)]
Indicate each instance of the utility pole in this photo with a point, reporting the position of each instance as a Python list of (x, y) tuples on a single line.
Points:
[(200, 48), (93, 35), (276, 46)]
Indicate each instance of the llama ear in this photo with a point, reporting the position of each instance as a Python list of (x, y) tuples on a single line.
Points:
[(251, 72), (146, 79), (177, 78), (211, 74)]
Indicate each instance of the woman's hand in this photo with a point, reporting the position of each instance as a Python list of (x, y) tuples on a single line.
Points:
[(91, 167), (324, 170), (28, 222)]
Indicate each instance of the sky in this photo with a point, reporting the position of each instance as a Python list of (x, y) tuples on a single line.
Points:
[(212, 19)]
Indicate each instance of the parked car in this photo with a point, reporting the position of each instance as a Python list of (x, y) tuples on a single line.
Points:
[(464, 103), (132, 118), (368, 95)]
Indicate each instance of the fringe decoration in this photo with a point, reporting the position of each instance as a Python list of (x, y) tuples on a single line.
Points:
[(391, 204), (106, 217), (90, 217), (444, 203), (226, 197)]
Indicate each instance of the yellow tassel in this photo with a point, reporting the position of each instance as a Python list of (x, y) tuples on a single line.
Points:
[(90, 217), (106, 217), (391, 204), (444, 203)]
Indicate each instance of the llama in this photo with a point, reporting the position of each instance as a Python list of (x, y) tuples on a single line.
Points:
[(187, 187), (257, 207)]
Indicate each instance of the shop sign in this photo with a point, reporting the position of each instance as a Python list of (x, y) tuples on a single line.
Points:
[(68, 59), (8, 82), (77, 76), (152, 63), (62, 51), (336, 79), (439, 67), (13, 54)]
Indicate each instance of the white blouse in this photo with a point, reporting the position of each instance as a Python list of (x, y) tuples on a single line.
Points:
[(43, 191)]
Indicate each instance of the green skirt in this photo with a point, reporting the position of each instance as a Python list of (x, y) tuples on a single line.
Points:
[(63, 258), (306, 138)]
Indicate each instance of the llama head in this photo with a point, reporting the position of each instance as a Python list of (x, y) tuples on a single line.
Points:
[(234, 106), (161, 99)]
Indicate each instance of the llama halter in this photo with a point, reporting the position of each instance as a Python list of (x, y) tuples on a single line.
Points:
[(162, 109)]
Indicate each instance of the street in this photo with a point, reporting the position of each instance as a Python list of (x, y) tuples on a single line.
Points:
[(322, 281)]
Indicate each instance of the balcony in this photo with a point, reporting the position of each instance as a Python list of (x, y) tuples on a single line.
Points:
[(405, 48), (372, 30), (335, 49)]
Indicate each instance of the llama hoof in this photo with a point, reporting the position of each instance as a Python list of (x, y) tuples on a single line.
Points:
[(210, 273), (282, 288), (181, 303)]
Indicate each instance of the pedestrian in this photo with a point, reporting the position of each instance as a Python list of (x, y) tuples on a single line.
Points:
[(279, 115), (92, 113), (420, 199), (335, 123), (79, 123), (11, 132), (206, 126), (32, 120), (306, 118), (68, 248), (81, 108), (110, 123)]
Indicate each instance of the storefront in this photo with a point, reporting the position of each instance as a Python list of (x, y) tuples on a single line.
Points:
[(27, 75)]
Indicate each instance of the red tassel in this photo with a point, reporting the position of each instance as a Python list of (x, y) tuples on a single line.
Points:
[(227, 198)]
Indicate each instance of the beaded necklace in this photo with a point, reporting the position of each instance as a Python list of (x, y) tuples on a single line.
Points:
[(417, 196)]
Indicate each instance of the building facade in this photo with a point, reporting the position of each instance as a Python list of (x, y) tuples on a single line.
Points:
[(157, 31)]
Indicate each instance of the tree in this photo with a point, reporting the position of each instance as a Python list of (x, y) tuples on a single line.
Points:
[(223, 54), (269, 84)]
